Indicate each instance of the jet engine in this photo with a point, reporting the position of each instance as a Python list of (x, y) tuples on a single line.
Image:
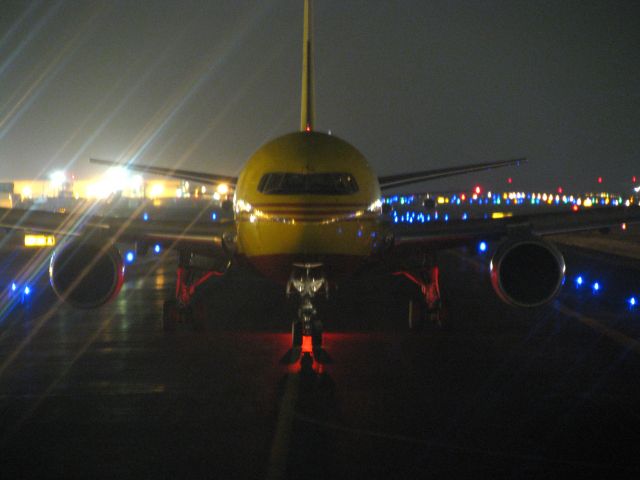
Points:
[(527, 272), (86, 274)]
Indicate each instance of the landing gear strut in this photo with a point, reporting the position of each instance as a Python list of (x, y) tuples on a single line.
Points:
[(425, 309), (307, 280), (180, 309)]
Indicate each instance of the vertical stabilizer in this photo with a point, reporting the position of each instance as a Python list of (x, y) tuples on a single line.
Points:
[(307, 112)]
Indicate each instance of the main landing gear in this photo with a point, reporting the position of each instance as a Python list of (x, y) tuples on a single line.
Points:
[(426, 308), (308, 281), (181, 309)]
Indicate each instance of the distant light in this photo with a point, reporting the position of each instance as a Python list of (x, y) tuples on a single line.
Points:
[(560, 190), (633, 179), (595, 286), (599, 179), (623, 226), (509, 180), (632, 302), (222, 188), (477, 190), (57, 178), (157, 248), (13, 287), (575, 208), (27, 290), (130, 257), (482, 246), (579, 280), (145, 216), (214, 216)]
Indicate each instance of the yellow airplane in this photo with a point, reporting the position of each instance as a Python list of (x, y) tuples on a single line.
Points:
[(308, 212)]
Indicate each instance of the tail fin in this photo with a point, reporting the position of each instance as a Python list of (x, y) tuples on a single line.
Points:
[(307, 111)]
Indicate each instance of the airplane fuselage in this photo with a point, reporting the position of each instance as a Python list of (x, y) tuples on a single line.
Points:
[(307, 197)]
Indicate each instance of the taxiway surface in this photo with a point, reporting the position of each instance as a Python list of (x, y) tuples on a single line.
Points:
[(507, 392)]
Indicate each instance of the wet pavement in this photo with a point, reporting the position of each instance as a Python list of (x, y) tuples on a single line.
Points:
[(504, 392)]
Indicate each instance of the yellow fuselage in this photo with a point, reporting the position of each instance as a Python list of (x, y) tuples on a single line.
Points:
[(276, 229)]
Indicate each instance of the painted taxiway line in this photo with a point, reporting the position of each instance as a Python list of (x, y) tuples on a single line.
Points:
[(278, 457), (614, 335)]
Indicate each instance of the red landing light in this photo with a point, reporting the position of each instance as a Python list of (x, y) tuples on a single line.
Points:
[(307, 346)]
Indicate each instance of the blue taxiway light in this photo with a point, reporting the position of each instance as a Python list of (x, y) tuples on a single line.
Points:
[(579, 280), (632, 302), (214, 216), (145, 216), (482, 246), (595, 287), (27, 290), (130, 257), (157, 248), (13, 287)]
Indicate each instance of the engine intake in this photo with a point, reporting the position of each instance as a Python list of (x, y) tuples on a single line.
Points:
[(527, 272), (86, 274)]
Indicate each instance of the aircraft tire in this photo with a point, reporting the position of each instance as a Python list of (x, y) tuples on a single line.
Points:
[(296, 334), (169, 315), (416, 315)]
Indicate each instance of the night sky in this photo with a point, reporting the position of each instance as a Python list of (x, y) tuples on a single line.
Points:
[(413, 84)]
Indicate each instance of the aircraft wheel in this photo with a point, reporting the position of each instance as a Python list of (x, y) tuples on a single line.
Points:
[(169, 315), (198, 315), (417, 315), (316, 335), (296, 334)]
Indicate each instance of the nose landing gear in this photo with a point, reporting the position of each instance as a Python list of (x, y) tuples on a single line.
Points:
[(307, 280)]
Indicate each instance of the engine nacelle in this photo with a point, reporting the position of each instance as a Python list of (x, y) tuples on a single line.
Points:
[(86, 274), (527, 272)]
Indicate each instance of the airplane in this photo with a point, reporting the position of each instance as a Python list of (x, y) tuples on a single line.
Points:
[(307, 213)]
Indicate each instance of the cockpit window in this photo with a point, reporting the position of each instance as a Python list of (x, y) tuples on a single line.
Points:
[(282, 183)]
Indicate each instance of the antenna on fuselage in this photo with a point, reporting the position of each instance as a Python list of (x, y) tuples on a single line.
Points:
[(307, 110)]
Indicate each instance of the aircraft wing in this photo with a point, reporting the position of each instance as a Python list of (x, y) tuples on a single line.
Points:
[(194, 233), (189, 175), (442, 235), (390, 181)]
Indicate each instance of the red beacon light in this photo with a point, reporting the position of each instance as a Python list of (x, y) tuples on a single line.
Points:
[(509, 180), (477, 190), (560, 190), (633, 179), (599, 179)]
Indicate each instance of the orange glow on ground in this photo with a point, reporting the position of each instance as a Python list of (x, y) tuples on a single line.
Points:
[(307, 346)]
